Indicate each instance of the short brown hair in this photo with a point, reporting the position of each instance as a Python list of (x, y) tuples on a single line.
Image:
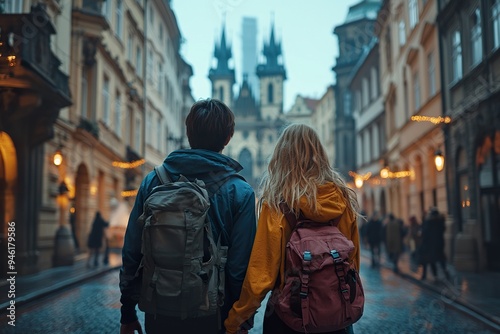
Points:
[(209, 124)]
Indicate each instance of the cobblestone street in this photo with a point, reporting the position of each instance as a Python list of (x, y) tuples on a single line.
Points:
[(393, 305)]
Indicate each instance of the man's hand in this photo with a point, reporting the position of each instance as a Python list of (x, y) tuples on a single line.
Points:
[(131, 328)]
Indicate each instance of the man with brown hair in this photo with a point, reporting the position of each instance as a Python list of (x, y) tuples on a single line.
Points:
[(209, 127)]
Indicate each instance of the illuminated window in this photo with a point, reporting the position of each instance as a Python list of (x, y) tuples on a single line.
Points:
[(476, 37), (496, 23), (456, 51)]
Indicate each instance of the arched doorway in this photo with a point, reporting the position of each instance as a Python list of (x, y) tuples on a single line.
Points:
[(81, 205), (246, 161), (8, 181)]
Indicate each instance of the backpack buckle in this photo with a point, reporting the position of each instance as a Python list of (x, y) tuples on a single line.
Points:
[(307, 256), (335, 255)]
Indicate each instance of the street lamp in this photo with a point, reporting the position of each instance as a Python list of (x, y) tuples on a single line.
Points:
[(58, 158), (439, 160), (384, 173), (358, 181)]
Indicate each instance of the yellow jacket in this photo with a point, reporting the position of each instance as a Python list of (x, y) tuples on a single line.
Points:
[(267, 260)]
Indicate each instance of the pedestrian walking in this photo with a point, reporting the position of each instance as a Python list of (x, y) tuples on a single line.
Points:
[(94, 242), (432, 247), (394, 233), (415, 238), (299, 174), (374, 235), (209, 128)]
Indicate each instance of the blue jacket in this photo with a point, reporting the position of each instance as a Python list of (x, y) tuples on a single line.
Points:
[(232, 205)]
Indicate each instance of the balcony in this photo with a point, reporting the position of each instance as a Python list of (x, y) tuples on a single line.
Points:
[(26, 58)]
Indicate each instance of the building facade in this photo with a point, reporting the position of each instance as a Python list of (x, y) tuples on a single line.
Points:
[(128, 96), (34, 89), (470, 40), (353, 35), (409, 67), (257, 123), (369, 115)]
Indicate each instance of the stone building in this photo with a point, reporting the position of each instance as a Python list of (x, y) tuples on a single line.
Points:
[(128, 96), (257, 123), (470, 40), (409, 71), (369, 115), (353, 35)]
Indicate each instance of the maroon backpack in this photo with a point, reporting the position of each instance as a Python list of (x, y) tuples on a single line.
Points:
[(322, 290)]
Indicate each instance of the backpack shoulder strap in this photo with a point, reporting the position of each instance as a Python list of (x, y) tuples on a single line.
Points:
[(162, 174), (290, 217)]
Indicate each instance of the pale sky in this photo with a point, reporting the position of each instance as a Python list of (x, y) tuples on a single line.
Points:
[(305, 29)]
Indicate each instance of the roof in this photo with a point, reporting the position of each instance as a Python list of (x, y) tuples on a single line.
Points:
[(365, 9)]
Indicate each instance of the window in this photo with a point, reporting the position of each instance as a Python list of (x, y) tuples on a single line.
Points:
[(476, 37), (496, 23), (456, 53), (402, 32), (431, 74), (357, 100), (413, 13), (137, 133), (365, 92), (130, 45), (105, 101), (84, 97), (407, 105), (118, 114), (221, 93), (106, 10), (151, 15), (160, 77), (347, 103), (119, 18), (128, 126), (149, 66), (374, 83), (416, 92), (13, 6), (270, 93), (160, 28), (388, 48), (138, 61)]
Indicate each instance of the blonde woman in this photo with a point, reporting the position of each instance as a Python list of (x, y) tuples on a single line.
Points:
[(300, 175)]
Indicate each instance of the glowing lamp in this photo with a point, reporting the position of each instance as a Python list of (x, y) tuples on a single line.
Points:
[(384, 173), (439, 160), (358, 182), (58, 158)]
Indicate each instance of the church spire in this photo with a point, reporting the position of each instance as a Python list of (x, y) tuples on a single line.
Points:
[(272, 52), (223, 53)]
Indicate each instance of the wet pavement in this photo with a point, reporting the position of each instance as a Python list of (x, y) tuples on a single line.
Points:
[(395, 303)]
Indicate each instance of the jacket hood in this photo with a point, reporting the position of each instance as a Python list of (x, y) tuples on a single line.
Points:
[(209, 166), (331, 204)]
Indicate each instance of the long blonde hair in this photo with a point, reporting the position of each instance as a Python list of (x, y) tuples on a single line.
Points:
[(298, 165)]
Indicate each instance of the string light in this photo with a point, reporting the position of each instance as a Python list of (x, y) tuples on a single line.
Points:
[(359, 179), (129, 193), (129, 165), (434, 120), (385, 173)]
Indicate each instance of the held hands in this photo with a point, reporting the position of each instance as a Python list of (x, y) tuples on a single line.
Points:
[(131, 328)]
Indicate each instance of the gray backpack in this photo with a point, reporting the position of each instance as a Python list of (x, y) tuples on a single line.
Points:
[(182, 265)]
